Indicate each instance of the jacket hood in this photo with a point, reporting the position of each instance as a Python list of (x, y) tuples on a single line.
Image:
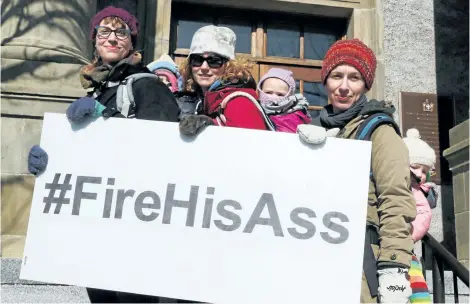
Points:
[(374, 106)]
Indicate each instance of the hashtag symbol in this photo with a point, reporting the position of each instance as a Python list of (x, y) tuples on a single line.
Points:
[(52, 199)]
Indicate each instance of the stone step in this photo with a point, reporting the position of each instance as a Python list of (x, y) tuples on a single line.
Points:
[(15, 290), (17, 293)]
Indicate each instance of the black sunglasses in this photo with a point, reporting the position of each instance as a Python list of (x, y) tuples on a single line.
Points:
[(214, 62)]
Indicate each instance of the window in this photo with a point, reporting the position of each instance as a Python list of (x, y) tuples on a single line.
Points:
[(294, 42), (186, 30), (243, 30), (188, 18), (317, 42), (283, 40)]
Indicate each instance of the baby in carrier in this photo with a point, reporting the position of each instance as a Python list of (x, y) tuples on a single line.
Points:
[(167, 70), (422, 160), (285, 109)]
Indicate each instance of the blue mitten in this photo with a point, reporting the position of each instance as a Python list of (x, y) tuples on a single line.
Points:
[(83, 108), (37, 160)]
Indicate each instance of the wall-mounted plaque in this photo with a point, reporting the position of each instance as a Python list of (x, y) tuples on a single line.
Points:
[(420, 111)]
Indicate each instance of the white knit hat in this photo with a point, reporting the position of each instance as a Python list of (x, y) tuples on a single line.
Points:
[(214, 39), (420, 152)]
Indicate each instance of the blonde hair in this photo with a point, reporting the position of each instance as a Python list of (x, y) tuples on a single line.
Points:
[(235, 70)]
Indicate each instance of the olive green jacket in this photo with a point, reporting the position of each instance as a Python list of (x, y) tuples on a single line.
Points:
[(391, 206)]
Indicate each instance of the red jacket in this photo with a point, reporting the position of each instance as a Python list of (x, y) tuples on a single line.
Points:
[(240, 112)]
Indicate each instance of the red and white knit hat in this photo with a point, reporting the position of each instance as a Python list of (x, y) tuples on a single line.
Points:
[(351, 52)]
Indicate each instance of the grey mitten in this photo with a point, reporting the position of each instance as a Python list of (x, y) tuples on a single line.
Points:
[(190, 125), (332, 132), (311, 134)]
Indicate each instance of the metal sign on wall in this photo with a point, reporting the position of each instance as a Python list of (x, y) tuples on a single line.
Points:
[(420, 111)]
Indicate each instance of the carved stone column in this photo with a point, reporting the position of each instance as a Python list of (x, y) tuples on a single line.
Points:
[(44, 45), (458, 157)]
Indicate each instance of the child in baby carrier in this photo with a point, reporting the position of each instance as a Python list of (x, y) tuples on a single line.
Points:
[(285, 109), (167, 70), (422, 160)]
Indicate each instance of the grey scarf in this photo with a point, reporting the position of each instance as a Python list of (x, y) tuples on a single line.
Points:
[(287, 105), (328, 119)]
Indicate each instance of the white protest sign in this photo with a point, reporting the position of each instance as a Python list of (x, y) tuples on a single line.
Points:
[(232, 216)]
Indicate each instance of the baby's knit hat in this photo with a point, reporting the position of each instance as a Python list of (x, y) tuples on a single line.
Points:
[(282, 74), (164, 62), (420, 152), (165, 66)]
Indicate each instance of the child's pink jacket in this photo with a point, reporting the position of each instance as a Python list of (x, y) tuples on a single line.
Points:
[(420, 225), (288, 122)]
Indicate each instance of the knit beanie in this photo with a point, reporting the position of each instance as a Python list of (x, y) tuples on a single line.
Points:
[(111, 11), (165, 66), (420, 152), (351, 52), (214, 39), (164, 62), (282, 74)]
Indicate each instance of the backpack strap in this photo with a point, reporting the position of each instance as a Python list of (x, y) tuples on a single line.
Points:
[(364, 132), (125, 95), (372, 122), (221, 117)]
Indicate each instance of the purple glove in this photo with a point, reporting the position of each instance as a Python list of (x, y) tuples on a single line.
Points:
[(83, 108), (37, 160)]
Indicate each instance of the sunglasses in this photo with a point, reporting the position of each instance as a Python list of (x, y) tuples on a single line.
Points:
[(214, 62), (104, 32)]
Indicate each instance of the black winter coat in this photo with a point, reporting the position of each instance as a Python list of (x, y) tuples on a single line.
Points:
[(153, 99)]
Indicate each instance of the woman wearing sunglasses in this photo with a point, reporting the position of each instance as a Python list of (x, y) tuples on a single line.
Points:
[(211, 73)]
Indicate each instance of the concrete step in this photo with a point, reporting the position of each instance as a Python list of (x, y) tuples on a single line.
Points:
[(14, 290), (450, 299), (17, 293)]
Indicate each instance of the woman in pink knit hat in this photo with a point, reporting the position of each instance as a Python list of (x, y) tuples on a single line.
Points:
[(277, 95)]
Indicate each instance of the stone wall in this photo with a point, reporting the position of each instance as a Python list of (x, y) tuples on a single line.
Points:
[(44, 45), (409, 57), (409, 51), (458, 156), (426, 51)]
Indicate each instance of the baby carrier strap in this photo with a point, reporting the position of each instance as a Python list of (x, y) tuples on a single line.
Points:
[(221, 117), (372, 122)]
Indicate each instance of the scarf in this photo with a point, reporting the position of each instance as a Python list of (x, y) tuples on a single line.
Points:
[(92, 76), (329, 120), (285, 105)]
